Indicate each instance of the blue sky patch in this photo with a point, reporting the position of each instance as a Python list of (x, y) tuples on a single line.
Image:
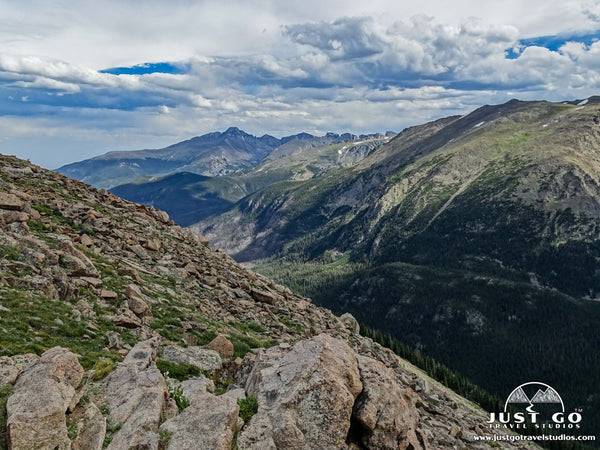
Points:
[(552, 43), (147, 68)]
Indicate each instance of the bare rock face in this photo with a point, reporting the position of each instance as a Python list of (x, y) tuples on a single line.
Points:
[(305, 396), (210, 422), (134, 394), (388, 418), (91, 428), (350, 323), (43, 392), (204, 359)]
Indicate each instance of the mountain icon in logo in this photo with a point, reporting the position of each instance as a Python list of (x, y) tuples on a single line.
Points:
[(547, 396), (539, 393), (518, 396)]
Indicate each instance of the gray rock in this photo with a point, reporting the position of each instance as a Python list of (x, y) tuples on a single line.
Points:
[(13, 216), (389, 420), (204, 359), (134, 394), (68, 249), (139, 251), (197, 386), (43, 392), (350, 323), (264, 296), (209, 423), (91, 428), (305, 396), (114, 340), (237, 392)]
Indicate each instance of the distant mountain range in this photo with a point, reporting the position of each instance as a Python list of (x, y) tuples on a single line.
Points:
[(213, 154)]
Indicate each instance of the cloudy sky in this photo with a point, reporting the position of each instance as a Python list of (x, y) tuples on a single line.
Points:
[(82, 77)]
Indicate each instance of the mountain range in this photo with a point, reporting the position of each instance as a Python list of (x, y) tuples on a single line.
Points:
[(213, 154)]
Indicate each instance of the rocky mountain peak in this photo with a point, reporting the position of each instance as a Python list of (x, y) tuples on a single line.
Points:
[(119, 329)]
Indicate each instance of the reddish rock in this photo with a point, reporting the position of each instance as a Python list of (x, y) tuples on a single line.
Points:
[(222, 346)]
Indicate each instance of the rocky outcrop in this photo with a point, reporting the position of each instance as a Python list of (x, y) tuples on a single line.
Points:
[(210, 422), (204, 359), (386, 413), (11, 366), (134, 394), (305, 396), (91, 427), (43, 393)]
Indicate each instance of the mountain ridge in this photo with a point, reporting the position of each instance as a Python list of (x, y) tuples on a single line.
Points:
[(212, 154)]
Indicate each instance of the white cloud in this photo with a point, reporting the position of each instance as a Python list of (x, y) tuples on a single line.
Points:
[(274, 67)]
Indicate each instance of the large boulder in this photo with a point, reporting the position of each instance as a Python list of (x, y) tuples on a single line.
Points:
[(75, 261), (209, 423), (202, 358), (43, 392), (387, 417), (305, 396), (134, 394)]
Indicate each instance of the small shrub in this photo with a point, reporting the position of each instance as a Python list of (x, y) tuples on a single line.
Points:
[(164, 437), (102, 369), (248, 407), (71, 430), (111, 429), (176, 393)]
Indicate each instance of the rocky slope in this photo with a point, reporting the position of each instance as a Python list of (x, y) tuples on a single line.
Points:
[(120, 329), (464, 237)]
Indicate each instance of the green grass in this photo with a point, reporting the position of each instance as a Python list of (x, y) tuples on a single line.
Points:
[(10, 252), (243, 343), (248, 407), (102, 369), (111, 429), (247, 327), (164, 437), (176, 393), (178, 371), (32, 325)]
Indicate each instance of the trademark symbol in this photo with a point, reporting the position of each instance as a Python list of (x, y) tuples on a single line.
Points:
[(578, 410)]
